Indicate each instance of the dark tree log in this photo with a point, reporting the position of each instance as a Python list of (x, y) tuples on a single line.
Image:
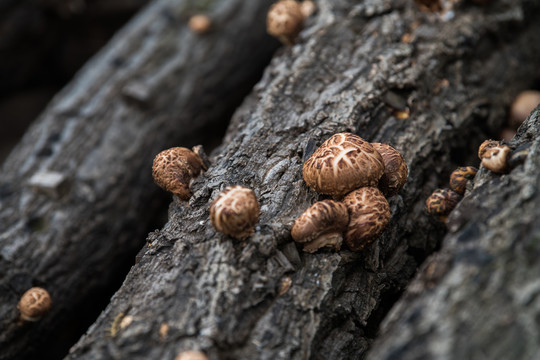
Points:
[(76, 195), (478, 297), (43, 42), (195, 288)]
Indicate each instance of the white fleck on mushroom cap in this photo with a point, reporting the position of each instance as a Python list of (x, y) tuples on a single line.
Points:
[(284, 18), (369, 214), (343, 163), (395, 169), (34, 303), (235, 212), (323, 217)]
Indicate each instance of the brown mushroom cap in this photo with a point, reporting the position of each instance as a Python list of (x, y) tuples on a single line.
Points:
[(191, 355), (174, 168), (285, 20), (460, 177), (494, 156), (395, 170), (522, 106), (200, 23), (441, 202), (322, 225), (369, 214), (341, 164), (307, 7), (235, 211), (486, 145), (34, 303)]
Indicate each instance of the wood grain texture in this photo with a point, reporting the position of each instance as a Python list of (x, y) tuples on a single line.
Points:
[(155, 85), (232, 299)]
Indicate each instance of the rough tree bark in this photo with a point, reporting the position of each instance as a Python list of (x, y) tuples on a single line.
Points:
[(195, 288), (76, 195), (478, 298)]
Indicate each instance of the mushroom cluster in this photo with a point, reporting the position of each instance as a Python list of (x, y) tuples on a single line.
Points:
[(442, 201), (358, 173)]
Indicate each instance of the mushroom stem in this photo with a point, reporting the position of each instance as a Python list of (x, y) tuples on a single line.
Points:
[(333, 239)]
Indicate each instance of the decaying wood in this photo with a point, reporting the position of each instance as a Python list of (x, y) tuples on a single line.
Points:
[(355, 68), (478, 297), (76, 195)]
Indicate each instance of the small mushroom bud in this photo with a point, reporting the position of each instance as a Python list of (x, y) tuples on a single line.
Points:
[(395, 170), (191, 355), (494, 156), (200, 24), (34, 304), (522, 106), (174, 168), (442, 202), (307, 7), (285, 20), (460, 177), (369, 214), (235, 212), (322, 225), (341, 164)]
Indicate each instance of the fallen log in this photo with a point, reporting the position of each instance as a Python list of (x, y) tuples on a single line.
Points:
[(433, 87), (76, 195), (478, 296)]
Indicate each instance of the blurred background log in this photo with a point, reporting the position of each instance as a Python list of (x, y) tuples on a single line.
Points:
[(155, 85), (42, 44), (432, 85)]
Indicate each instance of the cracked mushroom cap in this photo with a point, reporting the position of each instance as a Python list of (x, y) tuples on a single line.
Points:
[(441, 202), (395, 170), (285, 20), (322, 225), (460, 177), (369, 214), (494, 156), (235, 211), (174, 168), (341, 164), (34, 304)]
